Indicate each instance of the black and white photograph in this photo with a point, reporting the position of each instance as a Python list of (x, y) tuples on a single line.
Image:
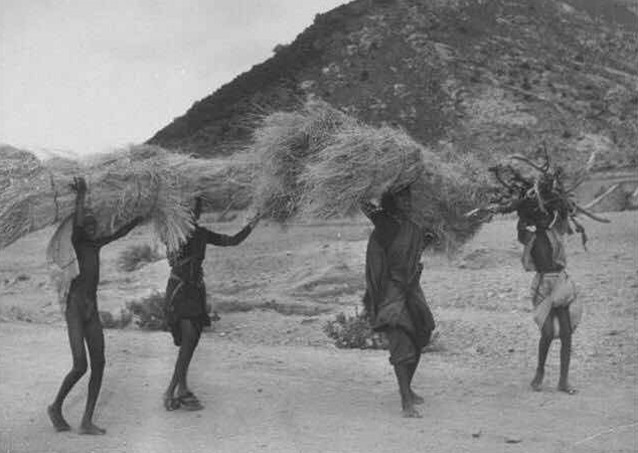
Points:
[(319, 226)]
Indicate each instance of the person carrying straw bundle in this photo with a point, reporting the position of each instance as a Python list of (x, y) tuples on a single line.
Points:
[(185, 303), (81, 312), (394, 300)]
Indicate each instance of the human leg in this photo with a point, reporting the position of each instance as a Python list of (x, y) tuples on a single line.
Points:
[(547, 335), (404, 357), (565, 349), (95, 341), (190, 335), (416, 399), (75, 330), (402, 372)]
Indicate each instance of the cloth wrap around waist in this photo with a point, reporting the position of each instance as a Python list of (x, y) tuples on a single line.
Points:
[(186, 293), (553, 290)]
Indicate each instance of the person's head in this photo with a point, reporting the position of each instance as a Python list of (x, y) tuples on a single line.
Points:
[(397, 202), (89, 225)]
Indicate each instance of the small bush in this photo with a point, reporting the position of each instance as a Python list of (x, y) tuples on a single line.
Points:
[(136, 256), (354, 332), (149, 312), (111, 322)]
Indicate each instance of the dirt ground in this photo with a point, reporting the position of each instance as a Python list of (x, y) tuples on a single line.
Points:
[(272, 381)]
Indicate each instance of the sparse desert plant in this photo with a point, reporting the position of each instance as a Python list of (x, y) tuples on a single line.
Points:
[(354, 332), (111, 322), (148, 312), (135, 256)]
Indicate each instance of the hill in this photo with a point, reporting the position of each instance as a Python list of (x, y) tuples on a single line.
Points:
[(489, 77)]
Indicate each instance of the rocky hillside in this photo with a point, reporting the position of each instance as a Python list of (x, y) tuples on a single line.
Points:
[(489, 77)]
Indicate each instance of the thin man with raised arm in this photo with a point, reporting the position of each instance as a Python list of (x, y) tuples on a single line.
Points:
[(81, 313)]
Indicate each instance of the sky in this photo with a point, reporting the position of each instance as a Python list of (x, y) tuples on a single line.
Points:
[(86, 76)]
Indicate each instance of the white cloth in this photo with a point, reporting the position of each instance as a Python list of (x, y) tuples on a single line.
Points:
[(63, 263)]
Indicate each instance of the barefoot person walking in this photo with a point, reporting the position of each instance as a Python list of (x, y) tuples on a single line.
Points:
[(394, 299), (556, 309), (81, 313), (186, 304)]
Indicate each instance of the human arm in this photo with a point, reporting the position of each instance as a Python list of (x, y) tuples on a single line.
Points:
[(79, 187), (120, 233), (224, 240)]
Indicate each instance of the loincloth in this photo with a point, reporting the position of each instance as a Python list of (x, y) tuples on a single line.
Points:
[(185, 300), (553, 290)]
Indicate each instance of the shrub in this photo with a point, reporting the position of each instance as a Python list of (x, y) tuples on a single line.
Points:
[(354, 332), (149, 312), (136, 256), (111, 322)]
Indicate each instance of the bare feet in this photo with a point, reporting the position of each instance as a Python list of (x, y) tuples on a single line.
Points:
[(537, 382), (417, 399), (410, 412), (59, 423), (91, 429), (170, 402), (189, 402), (565, 387)]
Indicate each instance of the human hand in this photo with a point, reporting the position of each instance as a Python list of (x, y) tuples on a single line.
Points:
[(254, 220), (78, 185)]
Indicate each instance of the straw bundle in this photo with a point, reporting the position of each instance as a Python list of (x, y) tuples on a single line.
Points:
[(123, 185), (283, 142), (442, 195), (361, 163), (221, 183), (16, 166)]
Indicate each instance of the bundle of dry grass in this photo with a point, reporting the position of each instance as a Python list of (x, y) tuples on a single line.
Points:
[(320, 163), (138, 181), (443, 193), (361, 163), (283, 142), (32, 201), (364, 162), (16, 166), (127, 185), (122, 186), (221, 183)]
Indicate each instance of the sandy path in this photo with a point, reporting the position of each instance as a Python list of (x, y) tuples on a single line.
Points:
[(274, 383), (297, 399)]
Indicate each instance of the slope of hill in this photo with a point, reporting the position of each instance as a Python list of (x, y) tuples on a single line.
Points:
[(483, 76)]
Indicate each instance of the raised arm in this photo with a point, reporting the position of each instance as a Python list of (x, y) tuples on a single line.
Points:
[(224, 240), (126, 229), (79, 187)]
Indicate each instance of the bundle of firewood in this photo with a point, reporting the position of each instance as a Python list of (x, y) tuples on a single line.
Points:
[(544, 196)]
